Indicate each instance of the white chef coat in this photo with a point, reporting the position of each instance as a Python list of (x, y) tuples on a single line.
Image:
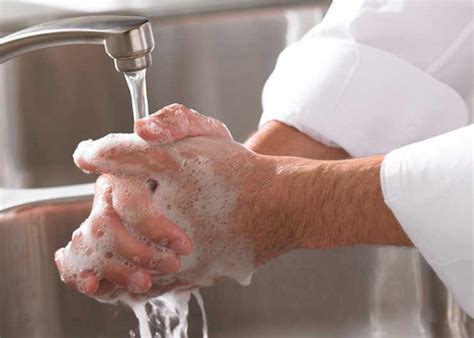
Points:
[(375, 76)]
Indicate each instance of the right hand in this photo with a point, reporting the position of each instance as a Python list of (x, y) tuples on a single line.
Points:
[(104, 260)]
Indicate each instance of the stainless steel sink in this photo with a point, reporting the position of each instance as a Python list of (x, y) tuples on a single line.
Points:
[(216, 63)]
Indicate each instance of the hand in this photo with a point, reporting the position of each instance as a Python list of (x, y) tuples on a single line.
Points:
[(104, 259), (112, 277), (210, 186), (175, 122)]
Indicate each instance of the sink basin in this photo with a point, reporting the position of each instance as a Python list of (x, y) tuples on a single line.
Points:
[(216, 63)]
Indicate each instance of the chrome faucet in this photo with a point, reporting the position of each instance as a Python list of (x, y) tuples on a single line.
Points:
[(128, 40)]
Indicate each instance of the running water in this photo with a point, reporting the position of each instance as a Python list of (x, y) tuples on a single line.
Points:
[(164, 316), (232, 256), (136, 82)]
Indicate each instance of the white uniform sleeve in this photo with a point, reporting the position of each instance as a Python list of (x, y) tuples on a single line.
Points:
[(377, 75), (429, 187)]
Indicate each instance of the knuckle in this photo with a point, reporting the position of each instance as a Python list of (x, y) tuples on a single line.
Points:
[(96, 229), (77, 240), (176, 106)]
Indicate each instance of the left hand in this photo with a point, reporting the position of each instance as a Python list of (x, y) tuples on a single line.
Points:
[(105, 260)]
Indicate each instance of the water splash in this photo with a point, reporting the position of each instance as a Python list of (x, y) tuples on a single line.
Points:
[(166, 316), (136, 82), (200, 302)]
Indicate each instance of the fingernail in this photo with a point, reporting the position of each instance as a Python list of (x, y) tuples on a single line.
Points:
[(139, 282), (87, 286), (181, 247), (169, 265)]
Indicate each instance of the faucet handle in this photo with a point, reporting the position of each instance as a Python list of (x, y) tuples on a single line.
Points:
[(127, 39)]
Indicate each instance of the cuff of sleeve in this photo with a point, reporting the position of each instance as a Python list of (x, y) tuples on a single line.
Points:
[(357, 97), (429, 188)]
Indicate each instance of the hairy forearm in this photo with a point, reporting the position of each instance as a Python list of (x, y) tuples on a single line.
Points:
[(321, 204), (336, 203), (315, 204)]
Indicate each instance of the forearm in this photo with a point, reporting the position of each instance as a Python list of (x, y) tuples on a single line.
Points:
[(318, 198), (304, 203), (348, 204), (334, 203), (276, 138)]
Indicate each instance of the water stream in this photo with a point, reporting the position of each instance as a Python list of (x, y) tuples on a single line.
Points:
[(164, 316), (136, 82)]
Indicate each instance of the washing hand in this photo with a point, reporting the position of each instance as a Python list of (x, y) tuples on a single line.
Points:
[(103, 257), (163, 189)]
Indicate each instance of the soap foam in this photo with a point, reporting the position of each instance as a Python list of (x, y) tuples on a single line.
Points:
[(194, 195)]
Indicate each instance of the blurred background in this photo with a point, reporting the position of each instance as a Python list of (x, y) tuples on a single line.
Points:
[(214, 56)]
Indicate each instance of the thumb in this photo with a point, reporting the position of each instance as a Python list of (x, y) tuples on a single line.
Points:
[(175, 122)]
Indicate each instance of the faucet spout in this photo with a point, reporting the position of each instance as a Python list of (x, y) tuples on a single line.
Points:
[(128, 40)]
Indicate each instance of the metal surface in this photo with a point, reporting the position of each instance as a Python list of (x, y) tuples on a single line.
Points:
[(127, 39), (17, 15), (217, 64), (359, 292)]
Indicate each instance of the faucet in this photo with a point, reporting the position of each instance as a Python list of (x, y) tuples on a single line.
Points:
[(128, 40)]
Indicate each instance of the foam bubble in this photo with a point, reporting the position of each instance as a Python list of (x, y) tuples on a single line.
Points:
[(196, 197)]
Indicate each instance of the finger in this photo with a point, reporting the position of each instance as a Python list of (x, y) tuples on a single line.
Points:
[(135, 280), (106, 288), (175, 122), (77, 241), (86, 281), (122, 154), (65, 275), (133, 250), (103, 192), (126, 245), (166, 233), (58, 258)]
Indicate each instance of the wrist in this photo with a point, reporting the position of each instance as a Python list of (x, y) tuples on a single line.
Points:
[(265, 211), (276, 138), (283, 206), (302, 189)]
